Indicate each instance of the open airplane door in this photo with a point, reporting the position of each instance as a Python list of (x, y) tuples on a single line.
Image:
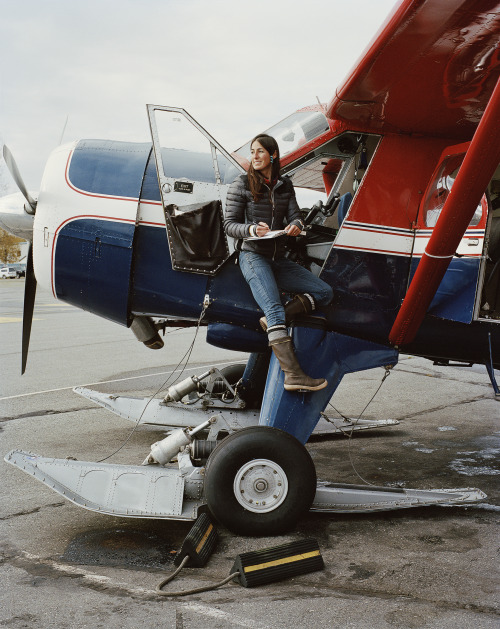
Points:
[(193, 206), (458, 295)]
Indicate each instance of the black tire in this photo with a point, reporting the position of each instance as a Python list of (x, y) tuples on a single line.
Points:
[(254, 459), (233, 373)]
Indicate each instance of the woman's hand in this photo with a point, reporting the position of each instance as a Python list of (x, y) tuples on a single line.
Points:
[(292, 230), (261, 229)]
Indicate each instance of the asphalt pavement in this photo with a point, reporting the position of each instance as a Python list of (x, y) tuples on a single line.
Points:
[(65, 567)]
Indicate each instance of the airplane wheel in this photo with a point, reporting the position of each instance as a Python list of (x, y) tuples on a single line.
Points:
[(233, 373), (259, 481)]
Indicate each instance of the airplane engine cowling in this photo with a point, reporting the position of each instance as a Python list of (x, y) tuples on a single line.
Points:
[(85, 224)]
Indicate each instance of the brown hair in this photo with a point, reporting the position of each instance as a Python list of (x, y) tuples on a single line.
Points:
[(255, 180)]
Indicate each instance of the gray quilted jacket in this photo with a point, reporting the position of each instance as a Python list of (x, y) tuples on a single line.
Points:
[(277, 207)]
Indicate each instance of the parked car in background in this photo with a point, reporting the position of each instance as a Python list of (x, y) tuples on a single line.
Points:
[(19, 268), (8, 272)]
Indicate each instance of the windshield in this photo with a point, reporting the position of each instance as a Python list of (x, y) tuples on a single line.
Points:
[(293, 132)]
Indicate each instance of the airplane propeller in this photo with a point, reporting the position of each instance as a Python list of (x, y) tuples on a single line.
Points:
[(30, 284), (16, 175), (29, 305)]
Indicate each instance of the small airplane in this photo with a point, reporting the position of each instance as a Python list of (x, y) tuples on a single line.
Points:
[(406, 155)]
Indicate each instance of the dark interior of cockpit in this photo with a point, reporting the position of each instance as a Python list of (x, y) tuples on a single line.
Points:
[(335, 171), (490, 296)]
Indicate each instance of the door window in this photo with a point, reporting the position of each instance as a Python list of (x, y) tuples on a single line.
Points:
[(192, 166), (194, 173)]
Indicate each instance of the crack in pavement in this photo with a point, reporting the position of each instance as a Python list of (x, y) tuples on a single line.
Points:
[(441, 407), (49, 568), (438, 375), (39, 413), (31, 511)]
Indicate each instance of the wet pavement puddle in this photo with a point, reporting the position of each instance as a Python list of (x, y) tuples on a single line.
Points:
[(120, 548)]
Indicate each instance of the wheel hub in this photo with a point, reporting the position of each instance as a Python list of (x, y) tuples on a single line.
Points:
[(260, 485)]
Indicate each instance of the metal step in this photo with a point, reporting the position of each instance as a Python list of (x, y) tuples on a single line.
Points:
[(155, 412), (131, 491), (337, 498)]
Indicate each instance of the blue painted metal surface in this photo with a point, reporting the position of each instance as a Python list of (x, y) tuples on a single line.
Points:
[(466, 342), (231, 298), (253, 381), (150, 188), (109, 168), (159, 290), (320, 354), (156, 288), (92, 264), (93, 257), (236, 338), (368, 290), (456, 295), (116, 169)]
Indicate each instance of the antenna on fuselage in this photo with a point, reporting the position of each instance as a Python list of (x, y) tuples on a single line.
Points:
[(323, 107), (64, 129)]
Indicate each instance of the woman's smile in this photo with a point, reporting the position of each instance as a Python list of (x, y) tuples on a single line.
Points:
[(261, 159)]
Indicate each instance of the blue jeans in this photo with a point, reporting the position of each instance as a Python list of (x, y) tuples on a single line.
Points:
[(267, 277)]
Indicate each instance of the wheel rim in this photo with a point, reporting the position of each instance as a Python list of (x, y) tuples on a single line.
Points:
[(260, 486)]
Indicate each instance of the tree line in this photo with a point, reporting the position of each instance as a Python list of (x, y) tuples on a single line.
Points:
[(9, 247)]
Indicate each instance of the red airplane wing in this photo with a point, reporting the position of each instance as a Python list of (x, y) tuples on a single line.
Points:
[(430, 70)]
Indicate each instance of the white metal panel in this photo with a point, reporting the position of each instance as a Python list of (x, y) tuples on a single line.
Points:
[(122, 490)]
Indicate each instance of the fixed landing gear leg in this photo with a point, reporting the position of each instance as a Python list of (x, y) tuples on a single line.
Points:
[(491, 371)]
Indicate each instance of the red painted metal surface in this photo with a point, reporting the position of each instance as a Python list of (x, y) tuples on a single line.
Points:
[(480, 162), (430, 71), (392, 188)]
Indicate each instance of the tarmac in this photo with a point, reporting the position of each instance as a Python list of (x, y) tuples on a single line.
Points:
[(65, 567)]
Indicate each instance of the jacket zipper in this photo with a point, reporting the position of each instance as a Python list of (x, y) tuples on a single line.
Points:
[(272, 212), (272, 220)]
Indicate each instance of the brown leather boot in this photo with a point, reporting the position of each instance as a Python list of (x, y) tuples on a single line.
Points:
[(295, 378), (300, 304)]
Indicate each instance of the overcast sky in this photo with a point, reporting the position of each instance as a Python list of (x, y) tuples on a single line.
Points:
[(236, 66)]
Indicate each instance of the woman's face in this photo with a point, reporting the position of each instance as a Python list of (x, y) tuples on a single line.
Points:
[(261, 158)]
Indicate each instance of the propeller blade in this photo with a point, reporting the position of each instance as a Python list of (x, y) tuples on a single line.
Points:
[(29, 305), (16, 175)]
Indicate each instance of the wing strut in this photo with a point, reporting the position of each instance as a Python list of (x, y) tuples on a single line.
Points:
[(477, 169)]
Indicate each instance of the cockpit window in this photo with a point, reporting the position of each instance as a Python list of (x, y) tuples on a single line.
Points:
[(441, 188), (293, 132)]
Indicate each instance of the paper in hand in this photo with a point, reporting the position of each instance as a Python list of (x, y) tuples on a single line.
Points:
[(275, 233)]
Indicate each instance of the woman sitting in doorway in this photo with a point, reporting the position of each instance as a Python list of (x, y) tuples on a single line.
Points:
[(257, 203)]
